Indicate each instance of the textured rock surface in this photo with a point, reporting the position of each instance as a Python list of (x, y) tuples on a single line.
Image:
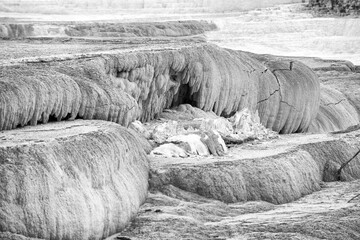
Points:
[(326, 214), (339, 93), (112, 29), (295, 95), (276, 171), (347, 82), (71, 180), (201, 136), (335, 113), (121, 87), (340, 7)]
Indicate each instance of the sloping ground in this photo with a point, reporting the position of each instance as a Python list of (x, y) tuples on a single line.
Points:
[(276, 171), (70, 180), (326, 214), (15, 30), (145, 82)]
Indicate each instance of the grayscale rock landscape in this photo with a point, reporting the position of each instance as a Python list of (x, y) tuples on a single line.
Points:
[(179, 120)]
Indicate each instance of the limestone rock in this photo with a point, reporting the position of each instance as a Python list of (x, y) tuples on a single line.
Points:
[(186, 112), (163, 131), (219, 124), (194, 143), (124, 86), (325, 214), (140, 128), (340, 95), (346, 82), (335, 113), (293, 104), (169, 150), (246, 124), (276, 171), (101, 29), (70, 180)]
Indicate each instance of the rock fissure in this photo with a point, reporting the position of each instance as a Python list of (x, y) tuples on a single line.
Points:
[(336, 103), (147, 82), (277, 90), (288, 104)]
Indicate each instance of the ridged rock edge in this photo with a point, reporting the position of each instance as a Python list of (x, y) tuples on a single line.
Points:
[(122, 87), (278, 179), (71, 180)]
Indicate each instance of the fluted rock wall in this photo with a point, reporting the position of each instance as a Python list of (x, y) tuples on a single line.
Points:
[(122, 87), (71, 180), (279, 177), (32, 94), (335, 113), (237, 181), (297, 96)]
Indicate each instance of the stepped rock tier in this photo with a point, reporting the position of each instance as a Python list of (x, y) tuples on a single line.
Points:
[(96, 29), (121, 86), (277, 171), (69, 170), (70, 180)]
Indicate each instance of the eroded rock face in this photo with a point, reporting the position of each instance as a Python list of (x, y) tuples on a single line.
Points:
[(335, 113), (347, 82), (71, 180), (201, 136), (326, 214), (126, 86), (78, 29), (277, 171), (296, 94), (339, 94)]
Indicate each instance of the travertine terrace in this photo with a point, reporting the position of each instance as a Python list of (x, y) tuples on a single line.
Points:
[(148, 126)]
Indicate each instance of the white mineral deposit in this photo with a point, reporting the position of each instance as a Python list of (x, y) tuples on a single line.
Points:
[(179, 119)]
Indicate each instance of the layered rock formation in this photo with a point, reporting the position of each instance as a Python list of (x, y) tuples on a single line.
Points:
[(71, 180), (122, 87), (339, 97), (277, 171), (86, 179), (335, 113), (326, 214), (156, 29)]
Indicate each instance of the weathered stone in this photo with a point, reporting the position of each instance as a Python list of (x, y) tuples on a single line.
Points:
[(335, 113), (71, 180), (325, 214), (276, 171), (122, 87), (79, 29)]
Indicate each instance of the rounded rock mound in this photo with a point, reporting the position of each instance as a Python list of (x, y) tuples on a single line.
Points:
[(71, 180)]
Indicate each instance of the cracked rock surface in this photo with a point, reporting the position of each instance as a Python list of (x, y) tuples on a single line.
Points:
[(85, 179), (121, 86), (178, 214)]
